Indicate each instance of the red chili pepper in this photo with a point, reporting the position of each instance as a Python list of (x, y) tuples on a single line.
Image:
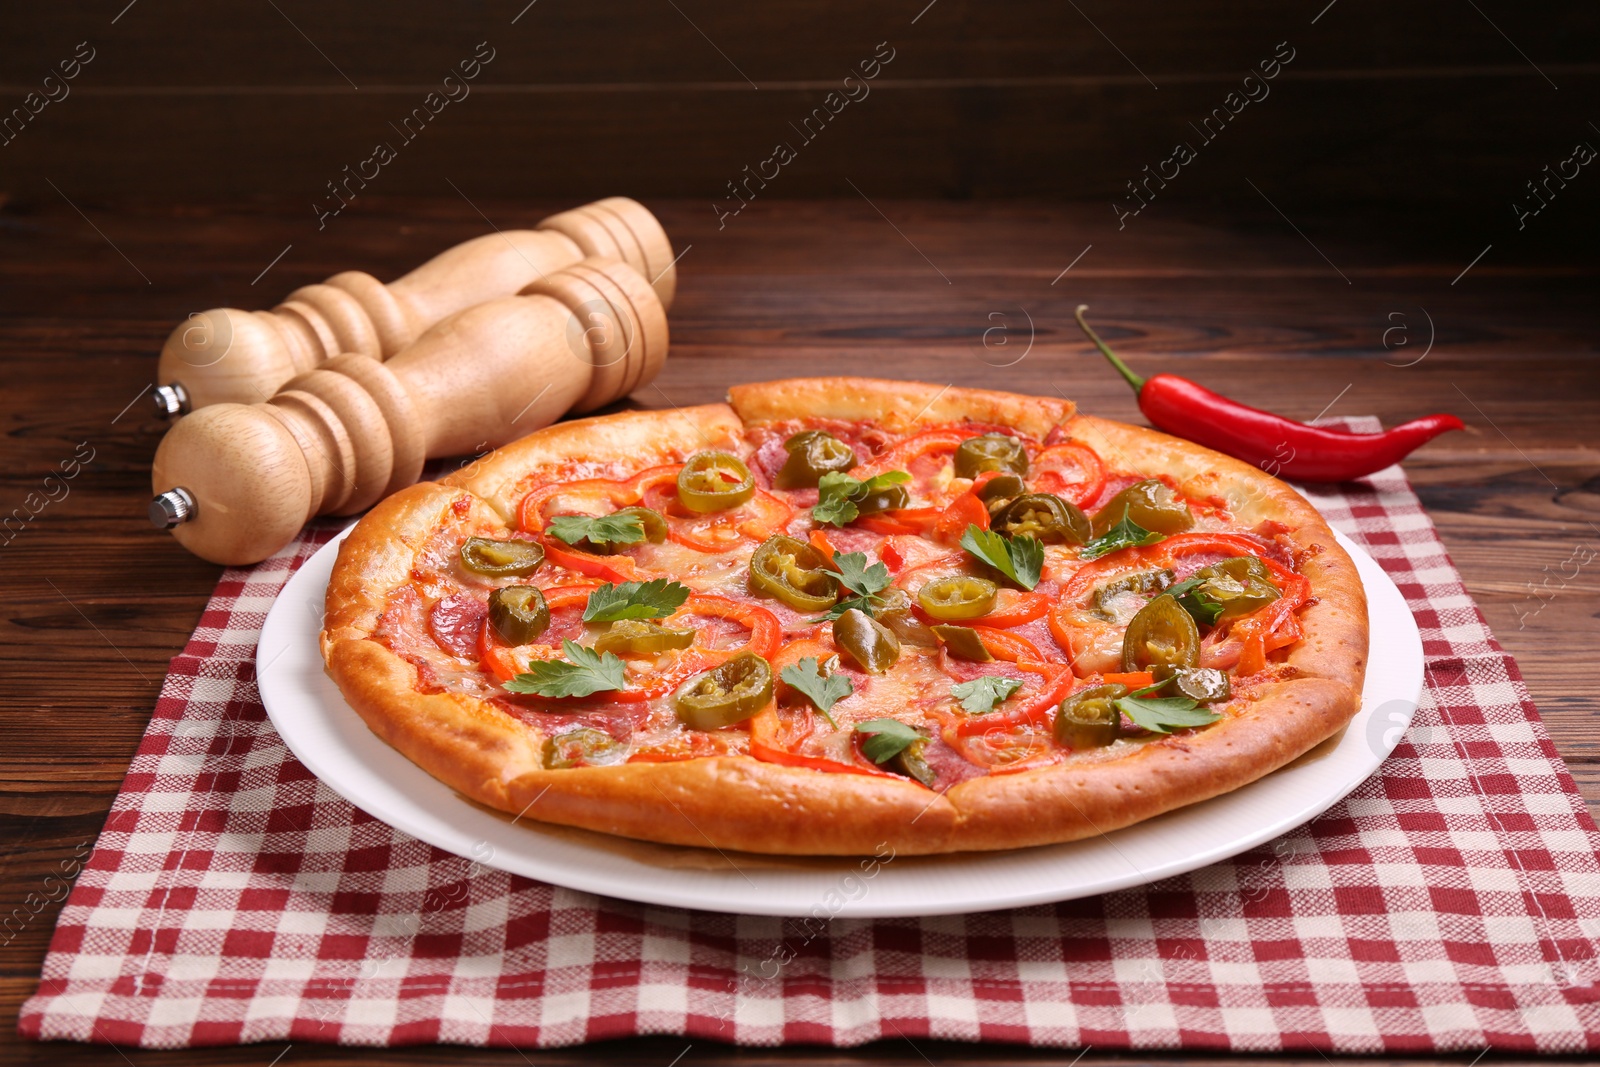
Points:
[(1277, 445)]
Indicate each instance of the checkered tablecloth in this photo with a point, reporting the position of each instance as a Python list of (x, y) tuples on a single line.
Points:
[(1449, 904)]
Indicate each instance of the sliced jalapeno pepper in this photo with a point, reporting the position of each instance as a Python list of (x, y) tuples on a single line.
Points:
[(1000, 490), (1151, 504), (640, 637), (793, 572), (1240, 585), (963, 643), (957, 598), (813, 453), (725, 695), (1203, 685), (518, 614), (1089, 718), (894, 611), (583, 747), (714, 481), (888, 498), (991, 452), (910, 762), (866, 640), (501, 559), (1047, 518), (1138, 582), (1162, 634)]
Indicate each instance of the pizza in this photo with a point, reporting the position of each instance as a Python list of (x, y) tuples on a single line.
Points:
[(837, 613)]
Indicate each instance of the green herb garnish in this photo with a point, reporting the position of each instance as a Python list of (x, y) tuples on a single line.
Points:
[(635, 600), (823, 690), (1201, 605), (589, 672), (839, 494), (1162, 715), (1019, 558), (979, 696), (1125, 534), (884, 739), (614, 529)]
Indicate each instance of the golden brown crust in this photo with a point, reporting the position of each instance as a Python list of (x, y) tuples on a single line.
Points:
[(899, 407), (637, 438), (744, 804)]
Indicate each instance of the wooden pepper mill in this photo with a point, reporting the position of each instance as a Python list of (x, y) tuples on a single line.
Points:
[(231, 356), (235, 483)]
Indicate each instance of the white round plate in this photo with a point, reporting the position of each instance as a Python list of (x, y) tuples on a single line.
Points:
[(329, 738)]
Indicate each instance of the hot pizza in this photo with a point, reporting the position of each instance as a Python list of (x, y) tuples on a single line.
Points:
[(838, 612)]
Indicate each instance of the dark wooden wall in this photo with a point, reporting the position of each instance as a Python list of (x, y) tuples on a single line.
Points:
[(1437, 105)]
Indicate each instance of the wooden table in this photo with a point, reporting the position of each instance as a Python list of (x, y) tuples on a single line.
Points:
[(1376, 316)]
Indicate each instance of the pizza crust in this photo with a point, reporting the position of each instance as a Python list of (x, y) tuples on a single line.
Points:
[(744, 804), (638, 439), (900, 407)]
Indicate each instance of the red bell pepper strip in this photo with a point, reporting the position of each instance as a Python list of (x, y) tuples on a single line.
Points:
[(611, 568), (1277, 445)]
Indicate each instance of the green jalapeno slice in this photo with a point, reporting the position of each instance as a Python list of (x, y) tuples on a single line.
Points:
[(1151, 504), (714, 481), (1162, 634), (1241, 585), (813, 453), (1000, 490), (794, 573), (725, 695), (518, 614), (869, 642), (501, 559), (991, 452), (887, 498), (957, 598), (962, 642), (1153, 581), (583, 747), (641, 637), (910, 762), (1044, 517), (1203, 685), (1089, 718), (894, 611)]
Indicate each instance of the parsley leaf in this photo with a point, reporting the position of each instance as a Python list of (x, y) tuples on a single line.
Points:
[(1201, 606), (823, 690), (1162, 715), (866, 582), (616, 529), (838, 494), (886, 738), (635, 600), (980, 695), (1019, 558), (856, 576), (589, 672), (1125, 534)]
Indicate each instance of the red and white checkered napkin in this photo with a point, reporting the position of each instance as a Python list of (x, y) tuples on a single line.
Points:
[(1448, 905)]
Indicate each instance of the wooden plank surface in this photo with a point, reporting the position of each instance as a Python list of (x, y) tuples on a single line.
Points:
[(1421, 104), (96, 601)]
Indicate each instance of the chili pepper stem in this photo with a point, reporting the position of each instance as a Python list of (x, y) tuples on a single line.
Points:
[(1116, 361)]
